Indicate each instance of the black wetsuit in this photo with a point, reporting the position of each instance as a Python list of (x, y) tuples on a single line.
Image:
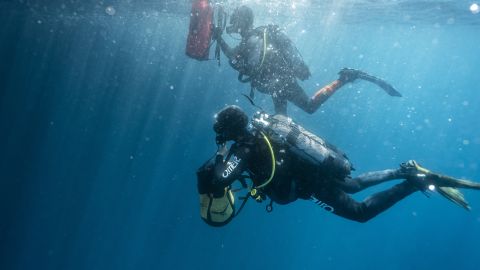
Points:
[(295, 179)]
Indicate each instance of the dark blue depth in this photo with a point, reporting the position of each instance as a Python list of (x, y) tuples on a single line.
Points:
[(104, 121)]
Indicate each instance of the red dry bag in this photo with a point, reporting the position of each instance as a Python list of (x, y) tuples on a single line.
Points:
[(200, 32)]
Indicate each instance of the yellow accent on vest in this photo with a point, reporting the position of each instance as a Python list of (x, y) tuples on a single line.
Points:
[(272, 154), (220, 209), (264, 48)]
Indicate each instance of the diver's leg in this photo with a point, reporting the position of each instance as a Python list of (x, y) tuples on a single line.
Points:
[(324, 93), (340, 203), (297, 96), (368, 179)]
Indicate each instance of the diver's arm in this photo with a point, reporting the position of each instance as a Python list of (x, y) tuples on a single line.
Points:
[(205, 176), (226, 49), (228, 170)]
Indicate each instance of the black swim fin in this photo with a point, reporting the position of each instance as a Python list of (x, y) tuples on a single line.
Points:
[(447, 181), (380, 82), (447, 186), (454, 195)]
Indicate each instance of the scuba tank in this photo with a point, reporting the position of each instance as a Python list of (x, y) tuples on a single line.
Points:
[(303, 144), (200, 30)]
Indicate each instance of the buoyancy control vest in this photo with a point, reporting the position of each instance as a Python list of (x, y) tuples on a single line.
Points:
[(268, 52), (217, 211), (303, 144), (217, 205)]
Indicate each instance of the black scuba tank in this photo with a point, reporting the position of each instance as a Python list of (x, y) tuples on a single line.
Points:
[(304, 144)]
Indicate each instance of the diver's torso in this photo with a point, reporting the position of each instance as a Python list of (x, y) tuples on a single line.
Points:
[(262, 62), (293, 178)]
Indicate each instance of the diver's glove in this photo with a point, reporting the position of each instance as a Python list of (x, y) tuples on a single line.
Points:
[(222, 150), (220, 140)]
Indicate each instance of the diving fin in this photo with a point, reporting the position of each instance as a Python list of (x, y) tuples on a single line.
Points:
[(447, 181), (454, 195), (380, 82), (447, 186)]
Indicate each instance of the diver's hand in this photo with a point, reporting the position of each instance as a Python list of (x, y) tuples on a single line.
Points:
[(220, 140), (222, 150)]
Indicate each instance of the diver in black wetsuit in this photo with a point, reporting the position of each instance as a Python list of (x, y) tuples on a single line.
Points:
[(268, 59), (284, 172)]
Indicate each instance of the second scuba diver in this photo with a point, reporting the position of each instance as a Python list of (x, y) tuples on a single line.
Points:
[(270, 62), (285, 162)]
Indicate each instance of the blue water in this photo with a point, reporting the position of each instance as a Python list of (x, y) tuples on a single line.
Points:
[(104, 120)]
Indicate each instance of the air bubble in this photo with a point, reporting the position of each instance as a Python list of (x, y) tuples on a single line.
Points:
[(110, 10), (475, 8)]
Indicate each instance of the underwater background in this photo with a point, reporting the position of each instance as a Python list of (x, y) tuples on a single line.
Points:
[(104, 121)]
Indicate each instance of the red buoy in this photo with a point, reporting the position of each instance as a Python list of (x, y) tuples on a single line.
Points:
[(200, 31)]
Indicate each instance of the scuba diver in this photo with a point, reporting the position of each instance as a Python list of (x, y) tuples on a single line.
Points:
[(285, 162), (270, 62)]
